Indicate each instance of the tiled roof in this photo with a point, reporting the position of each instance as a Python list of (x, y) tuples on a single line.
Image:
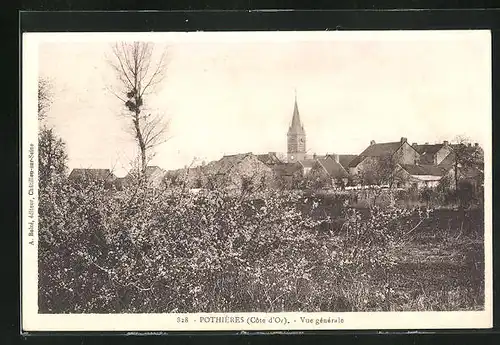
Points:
[(427, 152), (448, 161), (344, 160), (382, 149), (269, 158), (155, 174), (226, 163), (307, 163), (428, 148), (152, 168), (470, 172), (100, 174), (150, 171), (431, 170), (376, 150), (334, 169)]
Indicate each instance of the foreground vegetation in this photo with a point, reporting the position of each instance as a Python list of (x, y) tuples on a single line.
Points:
[(148, 250)]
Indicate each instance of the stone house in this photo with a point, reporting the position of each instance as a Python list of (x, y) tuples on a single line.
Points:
[(270, 159), (433, 154), (188, 177), (88, 175), (155, 177), (344, 160), (306, 165), (287, 175), (238, 172), (400, 152), (421, 176), (329, 169)]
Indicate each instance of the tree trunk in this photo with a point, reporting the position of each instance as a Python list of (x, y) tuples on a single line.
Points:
[(142, 145)]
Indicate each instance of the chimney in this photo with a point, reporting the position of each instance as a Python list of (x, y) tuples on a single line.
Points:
[(476, 144), (414, 144), (403, 140), (426, 143), (314, 155), (372, 142), (335, 157), (445, 143), (469, 144)]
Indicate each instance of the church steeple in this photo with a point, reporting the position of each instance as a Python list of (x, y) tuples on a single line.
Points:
[(296, 126), (296, 136)]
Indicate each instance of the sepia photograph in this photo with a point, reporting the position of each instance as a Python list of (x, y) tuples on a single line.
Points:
[(244, 180)]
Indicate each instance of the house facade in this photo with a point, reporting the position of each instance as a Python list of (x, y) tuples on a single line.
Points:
[(287, 175), (329, 170), (399, 152), (423, 176), (238, 172), (397, 163), (432, 154), (155, 176), (93, 175), (270, 158)]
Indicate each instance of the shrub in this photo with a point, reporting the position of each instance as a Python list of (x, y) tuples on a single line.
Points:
[(149, 250)]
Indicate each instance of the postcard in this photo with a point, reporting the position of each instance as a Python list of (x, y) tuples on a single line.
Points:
[(271, 181)]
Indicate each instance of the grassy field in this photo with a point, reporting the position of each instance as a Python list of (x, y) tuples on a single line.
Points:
[(443, 266), (440, 267)]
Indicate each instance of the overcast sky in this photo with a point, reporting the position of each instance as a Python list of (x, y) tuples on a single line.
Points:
[(227, 94)]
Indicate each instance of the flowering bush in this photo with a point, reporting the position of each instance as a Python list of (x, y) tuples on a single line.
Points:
[(143, 249)]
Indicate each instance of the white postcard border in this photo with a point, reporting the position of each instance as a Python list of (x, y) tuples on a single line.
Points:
[(32, 321)]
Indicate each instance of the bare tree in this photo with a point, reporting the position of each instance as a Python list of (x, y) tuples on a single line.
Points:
[(44, 97), (138, 76), (52, 156)]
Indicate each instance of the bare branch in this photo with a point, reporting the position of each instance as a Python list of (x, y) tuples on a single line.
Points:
[(158, 74), (120, 68), (45, 97), (138, 73)]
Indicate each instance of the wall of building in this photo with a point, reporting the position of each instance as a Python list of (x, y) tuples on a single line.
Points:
[(442, 154), (249, 169), (406, 154), (366, 163)]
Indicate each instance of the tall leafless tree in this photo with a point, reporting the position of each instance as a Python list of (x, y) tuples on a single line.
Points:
[(44, 97), (52, 156), (139, 73)]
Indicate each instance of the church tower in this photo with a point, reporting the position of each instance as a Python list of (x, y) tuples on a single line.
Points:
[(296, 137)]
